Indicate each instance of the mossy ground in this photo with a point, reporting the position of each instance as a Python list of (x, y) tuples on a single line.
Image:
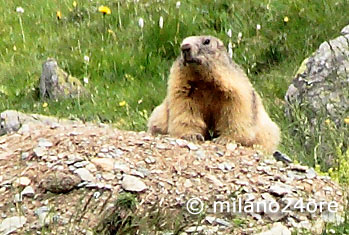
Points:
[(128, 65)]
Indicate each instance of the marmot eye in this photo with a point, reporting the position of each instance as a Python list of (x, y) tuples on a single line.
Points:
[(207, 41)]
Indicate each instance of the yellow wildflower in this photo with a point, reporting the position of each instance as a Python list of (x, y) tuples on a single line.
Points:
[(59, 15), (14, 48), (327, 121), (286, 19), (122, 103), (129, 77), (74, 4), (112, 33), (330, 171), (346, 120), (105, 10), (44, 105)]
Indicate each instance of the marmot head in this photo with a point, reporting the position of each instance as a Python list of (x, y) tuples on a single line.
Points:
[(202, 51)]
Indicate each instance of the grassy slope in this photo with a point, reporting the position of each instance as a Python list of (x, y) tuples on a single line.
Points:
[(131, 64)]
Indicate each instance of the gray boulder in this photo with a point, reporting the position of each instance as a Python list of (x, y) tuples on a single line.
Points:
[(55, 83), (322, 82)]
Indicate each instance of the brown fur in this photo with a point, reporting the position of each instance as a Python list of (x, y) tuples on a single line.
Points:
[(208, 92)]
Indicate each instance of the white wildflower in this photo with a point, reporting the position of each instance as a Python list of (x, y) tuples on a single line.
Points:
[(229, 33), (86, 80), (239, 36), (141, 23), (258, 27), (230, 50), (161, 22), (178, 4), (86, 59), (19, 10)]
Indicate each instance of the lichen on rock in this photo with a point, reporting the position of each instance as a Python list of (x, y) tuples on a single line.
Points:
[(55, 83), (321, 84)]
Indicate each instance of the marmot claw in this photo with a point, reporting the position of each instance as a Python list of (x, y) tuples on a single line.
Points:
[(194, 137)]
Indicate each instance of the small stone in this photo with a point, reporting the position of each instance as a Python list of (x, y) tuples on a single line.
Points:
[(267, 197), (118, 166), (264, 169), (242, 182), (192, 146), (91, 167), (11, 224), (231, 146), (106, 164), (221, 166), (52, 158), (162, 146), (210, 219), (40, 151), (25, 156), (24, 129), (22, 181), (133, 184), (277, 229), (81, 164), (274, 214), (150, 160), (41, 210), (249, 197), (108, 176), (117, 153), (299, 168), (85, 175), (74, 133), (194, 229), (74, 158), (59, 182), (137, 173), (200, 154), (72, 168), (223, 222), (229, 166), (28, 191), (101, 155), (144, 171), (44, 143), (294, 175), (187, 183), (327, 188), (104, 150), (181, 143), (280, 189), (311, 173), (213, 179)]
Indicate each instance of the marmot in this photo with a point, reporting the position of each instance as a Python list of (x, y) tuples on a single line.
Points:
[(209, 96)]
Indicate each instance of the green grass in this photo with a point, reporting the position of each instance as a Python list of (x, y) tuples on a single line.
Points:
[(131, 64)]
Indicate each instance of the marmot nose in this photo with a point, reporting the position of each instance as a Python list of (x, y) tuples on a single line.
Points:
[(186, 47)]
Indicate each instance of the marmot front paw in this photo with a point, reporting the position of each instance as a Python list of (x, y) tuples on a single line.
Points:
[(194, 137), (223, 140)]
